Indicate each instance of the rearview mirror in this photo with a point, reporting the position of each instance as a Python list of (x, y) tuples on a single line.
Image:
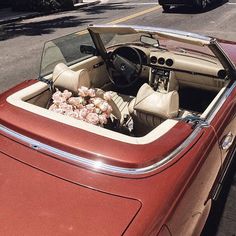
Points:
[(149, 40)]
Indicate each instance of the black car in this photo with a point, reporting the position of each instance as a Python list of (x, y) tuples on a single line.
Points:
[(200, 4)]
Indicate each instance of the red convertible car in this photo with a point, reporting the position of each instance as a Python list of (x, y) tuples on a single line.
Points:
[(128, 130)]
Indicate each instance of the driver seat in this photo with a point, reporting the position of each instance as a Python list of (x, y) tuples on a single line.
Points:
[(65, 78), (150, 108)]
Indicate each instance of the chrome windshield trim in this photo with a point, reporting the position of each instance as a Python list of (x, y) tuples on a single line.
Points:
[(158, 30), (98, 165)]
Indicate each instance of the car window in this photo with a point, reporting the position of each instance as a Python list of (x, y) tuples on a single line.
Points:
[(66, 49)]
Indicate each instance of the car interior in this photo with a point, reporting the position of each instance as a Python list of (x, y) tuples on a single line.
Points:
[(152, 88)]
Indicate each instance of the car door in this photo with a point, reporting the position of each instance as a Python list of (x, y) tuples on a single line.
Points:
[(193, 207), (223, 121), (213, 152)]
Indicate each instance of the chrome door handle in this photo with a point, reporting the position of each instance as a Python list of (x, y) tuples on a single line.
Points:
[(227, 141)]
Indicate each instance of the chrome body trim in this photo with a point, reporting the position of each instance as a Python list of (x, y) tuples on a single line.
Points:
[(103, 167), (221, 101), (98, 165)]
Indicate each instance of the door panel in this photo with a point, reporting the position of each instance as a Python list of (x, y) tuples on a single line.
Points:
[(225, 126), (192, 209), (97, 70), (224, 123)]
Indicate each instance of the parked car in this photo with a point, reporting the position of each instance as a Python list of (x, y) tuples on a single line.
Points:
[(200, 4), (128, 130)]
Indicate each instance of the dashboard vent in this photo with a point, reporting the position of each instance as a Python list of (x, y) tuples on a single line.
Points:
[(153, 59), (169, 62), (161, 61)]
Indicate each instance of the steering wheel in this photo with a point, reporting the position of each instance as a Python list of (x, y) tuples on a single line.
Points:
[(125, 66)]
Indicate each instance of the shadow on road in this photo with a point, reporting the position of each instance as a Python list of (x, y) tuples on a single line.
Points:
[(102, 8), (39, 27)]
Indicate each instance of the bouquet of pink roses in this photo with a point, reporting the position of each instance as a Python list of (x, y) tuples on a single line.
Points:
[(87, 106)]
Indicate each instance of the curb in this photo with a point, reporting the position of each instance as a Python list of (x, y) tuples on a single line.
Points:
[(38, 14)]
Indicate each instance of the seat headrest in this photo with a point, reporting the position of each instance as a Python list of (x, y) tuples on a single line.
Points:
[(164, 105), (65, 78)]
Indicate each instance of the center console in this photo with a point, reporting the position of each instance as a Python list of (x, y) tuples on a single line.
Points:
[(159, 79)]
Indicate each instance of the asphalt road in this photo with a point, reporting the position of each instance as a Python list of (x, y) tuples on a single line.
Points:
[(21, 44)]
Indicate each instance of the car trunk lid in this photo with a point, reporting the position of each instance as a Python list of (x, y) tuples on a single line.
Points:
[(37, 202)]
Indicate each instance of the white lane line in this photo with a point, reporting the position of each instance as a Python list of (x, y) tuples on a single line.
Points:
[(131, 3), (140, 3)]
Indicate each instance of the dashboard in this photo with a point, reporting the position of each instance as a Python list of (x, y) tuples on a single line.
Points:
[(187, 68)]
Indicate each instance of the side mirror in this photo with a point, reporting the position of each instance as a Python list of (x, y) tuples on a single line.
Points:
[(87, 49), (149, 41)]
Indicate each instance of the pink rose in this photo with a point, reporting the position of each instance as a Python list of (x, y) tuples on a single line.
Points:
[(72, 114), (83, 91), (87, 106), (58, 98), (65, 107), (102, 119), (77, 111), (109, 110), (66, 94), (103, 106), (59, 111), (92, 118), (90, 107), (83, 113), (91, 93), (79, 114), (56, 94), (96, 101), (107, 96), (53, 107), (97, 110), (77, 102)]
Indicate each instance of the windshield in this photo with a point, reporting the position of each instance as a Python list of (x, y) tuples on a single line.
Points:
[(69, 49), (66, 49), (112, 40)]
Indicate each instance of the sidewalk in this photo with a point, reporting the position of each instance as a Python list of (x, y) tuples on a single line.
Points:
[(9, 16)]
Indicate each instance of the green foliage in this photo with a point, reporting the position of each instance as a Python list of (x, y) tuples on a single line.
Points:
[(41, 5)]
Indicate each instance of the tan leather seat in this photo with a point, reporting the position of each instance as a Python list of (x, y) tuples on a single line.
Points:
[(150, 108), (65, 78), (121, 101)]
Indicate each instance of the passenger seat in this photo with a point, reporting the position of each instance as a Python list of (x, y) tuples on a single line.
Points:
[(150, 108)]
